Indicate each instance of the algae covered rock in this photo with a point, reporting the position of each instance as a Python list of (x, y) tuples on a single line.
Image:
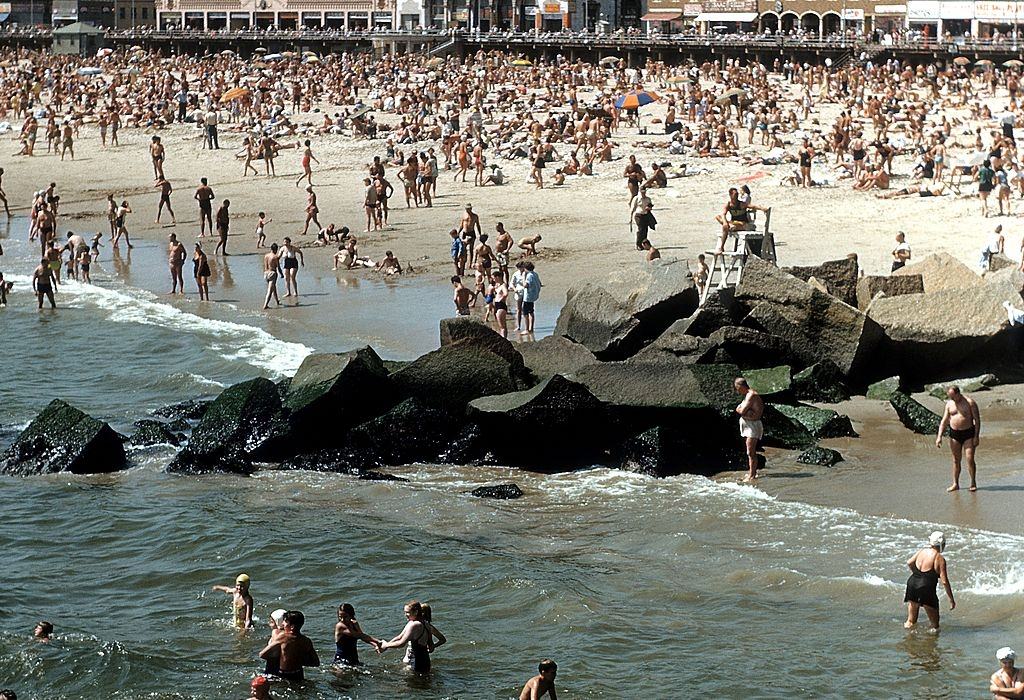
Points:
[(915, 416), (820, 456), (64, 439)]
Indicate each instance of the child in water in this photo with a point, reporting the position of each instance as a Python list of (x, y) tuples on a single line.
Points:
[(241, 601), (543, 682)]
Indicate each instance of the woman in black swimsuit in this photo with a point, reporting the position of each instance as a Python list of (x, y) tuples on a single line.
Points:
[(346, 633), (806, 154), (927, 568), (417, 635), (201, 271)]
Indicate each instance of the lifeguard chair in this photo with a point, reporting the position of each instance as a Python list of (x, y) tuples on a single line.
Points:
[(727, 266)]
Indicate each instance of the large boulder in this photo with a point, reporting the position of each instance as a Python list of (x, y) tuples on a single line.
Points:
[(968, 385), (770, 382), (674, 345), (817, 326), (718, 310), (940, 271), (838, 276), (64, 439), (746, 347), (663, 451), (1010, 275), (615, 317), (244, 424), (781, 430), (468, 330), (193, 409), (153, 432), (452, 376), (559, 416), (821, 382), (938, 333), (412, 431), (820, 422), (883, 389), (869, 286), (914, 415), (332, 392), (555, 355)]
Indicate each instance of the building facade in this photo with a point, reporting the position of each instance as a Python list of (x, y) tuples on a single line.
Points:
[(284, 14)]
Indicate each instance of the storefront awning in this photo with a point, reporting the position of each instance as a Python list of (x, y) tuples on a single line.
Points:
[(726, 17), (661, 16)]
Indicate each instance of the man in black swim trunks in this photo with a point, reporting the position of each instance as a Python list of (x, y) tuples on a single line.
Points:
[(223, 222), (204, 195), (294, 648), (964, 421), (42, 283)]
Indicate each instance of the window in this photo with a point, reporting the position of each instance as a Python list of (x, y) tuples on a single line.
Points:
[(121, 13), (145, 13)]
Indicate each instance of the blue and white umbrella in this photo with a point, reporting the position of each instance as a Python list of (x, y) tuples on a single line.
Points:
[(90, 70)]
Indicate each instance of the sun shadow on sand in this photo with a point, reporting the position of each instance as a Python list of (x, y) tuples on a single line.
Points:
[(1008, 487)]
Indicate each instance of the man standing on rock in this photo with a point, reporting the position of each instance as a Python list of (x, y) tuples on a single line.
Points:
[(964, 421), (750, 410)]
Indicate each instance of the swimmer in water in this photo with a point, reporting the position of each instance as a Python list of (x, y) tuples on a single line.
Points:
[(259, 689), (542, 684), (928, 568), (346, 633), (276, 624), (241, 601), (43, 631)]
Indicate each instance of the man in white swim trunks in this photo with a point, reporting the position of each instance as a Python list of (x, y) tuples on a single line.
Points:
[(750, 410)]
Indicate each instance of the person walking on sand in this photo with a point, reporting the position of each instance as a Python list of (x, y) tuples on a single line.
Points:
[(201, 271), (241, 601), (543, 683), (204, 195), (223, 223), (157, 155), (927, 568), (271, 273), (307, 168), (165, 200), (121, 224), (292, 257), (176, 261), (964, 422), (985, 177), (1008, 681), (750, 410), (312, 209)]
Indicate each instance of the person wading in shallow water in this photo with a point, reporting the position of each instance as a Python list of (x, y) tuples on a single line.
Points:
[(927, 568), (750, 410), (964, 421)]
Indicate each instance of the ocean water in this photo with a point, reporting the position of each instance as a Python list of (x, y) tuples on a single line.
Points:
[(639, 588)]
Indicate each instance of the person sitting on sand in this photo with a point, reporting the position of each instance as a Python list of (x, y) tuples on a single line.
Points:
[(389, 265), (529, 244), (241, 601), (543, 683), (873, 178), (652, 252)]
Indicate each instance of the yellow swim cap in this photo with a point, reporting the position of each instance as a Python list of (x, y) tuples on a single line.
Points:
[(242, 580)]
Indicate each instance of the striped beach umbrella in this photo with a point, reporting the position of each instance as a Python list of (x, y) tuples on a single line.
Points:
[(635, 99)]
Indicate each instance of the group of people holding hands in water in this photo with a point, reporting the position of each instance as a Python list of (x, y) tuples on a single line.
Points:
[(288, 651)]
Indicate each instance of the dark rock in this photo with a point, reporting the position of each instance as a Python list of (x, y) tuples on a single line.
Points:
[(770, 382), (817, 326), (663, 451), (745, 347), (674, 345), (889, 285), (940, 271), (153, 432), (64, 439), (331, 392), (189, 410), (999, 261), (821, 382), (499, 491), (938, 333), (454, 375), (468, 447), (339, 460), (467, 330), (820, 422), (820, 456), (650, 385), (244, 424), (838, 276), (968, 385), (884, 389), (560, 414), (180, 425), (717, 311), (412, 431), (395, 365), (555, 355), (913, 415), (780, 430), (629, 307), (373, 475)]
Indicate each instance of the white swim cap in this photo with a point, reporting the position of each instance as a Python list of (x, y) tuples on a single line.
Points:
[(278, 616), (1006, 653), (937, 539)]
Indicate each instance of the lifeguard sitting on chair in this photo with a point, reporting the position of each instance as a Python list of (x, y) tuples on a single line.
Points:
[(735, 217)]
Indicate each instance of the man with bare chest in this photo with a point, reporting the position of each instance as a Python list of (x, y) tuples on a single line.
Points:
[(964, 422), (176, 260), (469, 229)]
